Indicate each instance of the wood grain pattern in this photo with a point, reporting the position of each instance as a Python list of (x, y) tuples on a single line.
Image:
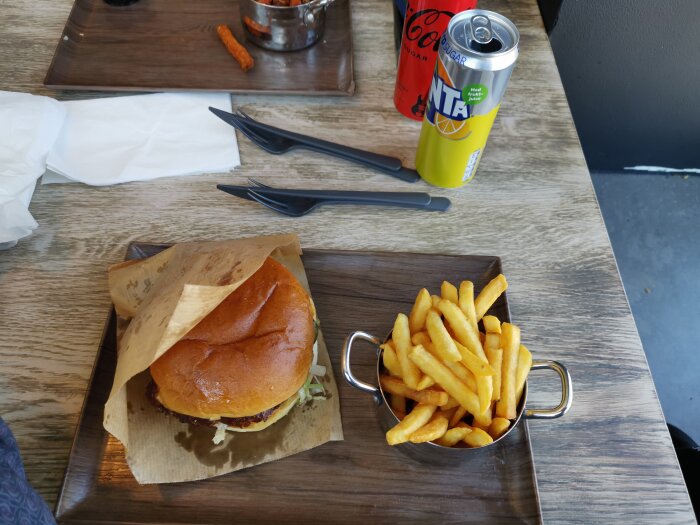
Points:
[(171, 45), (610, 460), (360, 477)]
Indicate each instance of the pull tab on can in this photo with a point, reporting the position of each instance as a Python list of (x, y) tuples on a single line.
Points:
[(480, 36), (480, 27)]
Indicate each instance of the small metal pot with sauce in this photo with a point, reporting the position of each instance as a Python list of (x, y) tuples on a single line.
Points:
[(282, 28), (431, 452)]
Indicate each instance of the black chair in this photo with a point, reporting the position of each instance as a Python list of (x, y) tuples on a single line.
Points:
[(688, 453)]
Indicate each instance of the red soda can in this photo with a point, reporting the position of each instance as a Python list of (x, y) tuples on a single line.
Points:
[(424, 24)]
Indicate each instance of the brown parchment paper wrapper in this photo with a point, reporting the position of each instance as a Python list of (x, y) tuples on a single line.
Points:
[(166, 295)]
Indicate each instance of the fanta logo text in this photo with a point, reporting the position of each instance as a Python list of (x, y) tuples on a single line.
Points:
[(447, 101), (452, 52), (418, 27)]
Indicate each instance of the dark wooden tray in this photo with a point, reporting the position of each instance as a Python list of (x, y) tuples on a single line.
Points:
[(360, 479), (171, 45)]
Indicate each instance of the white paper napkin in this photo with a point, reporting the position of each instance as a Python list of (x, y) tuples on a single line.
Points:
[(29, 126), (143, 137)]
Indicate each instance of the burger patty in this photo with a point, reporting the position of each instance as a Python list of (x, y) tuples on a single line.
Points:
[(241, 422)]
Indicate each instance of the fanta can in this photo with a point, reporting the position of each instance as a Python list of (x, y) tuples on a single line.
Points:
[(476, 57)]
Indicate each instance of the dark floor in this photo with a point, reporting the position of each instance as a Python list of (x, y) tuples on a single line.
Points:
[(654, 227)]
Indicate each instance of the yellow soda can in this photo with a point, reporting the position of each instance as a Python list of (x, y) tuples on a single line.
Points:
[(476, 57)]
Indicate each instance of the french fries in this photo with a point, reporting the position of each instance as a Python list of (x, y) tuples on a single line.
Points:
[(391, 362), (402, 342), (484, 387), (476, 365), (421, 338), (457, 416), (425, 382), (451, 403), (498, 427), (464, 333), (398, 405), (464, 375), (483, 420), (469, 339), (453, 436), (521, 372), (447, 413), (478, 438), (466, 302), (489, 294), (491, 324), (418, 417), (448, 292), (435, 429), (456, 385), (495, 357), (430, 365), (492, 341), (395, 386), (459, 370), (442, 341), (510, 342), (423, 303)]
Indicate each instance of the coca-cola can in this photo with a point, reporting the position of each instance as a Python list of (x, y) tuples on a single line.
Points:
[(424, 23)]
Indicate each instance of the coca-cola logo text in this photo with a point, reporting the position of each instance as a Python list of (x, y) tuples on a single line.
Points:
[(426, 27)]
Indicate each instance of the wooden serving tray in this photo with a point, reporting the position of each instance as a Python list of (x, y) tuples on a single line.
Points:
[(359, 480), (171, 45)]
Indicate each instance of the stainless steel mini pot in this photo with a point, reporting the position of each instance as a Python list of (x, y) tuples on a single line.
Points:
[(437, 454), (284, 28)]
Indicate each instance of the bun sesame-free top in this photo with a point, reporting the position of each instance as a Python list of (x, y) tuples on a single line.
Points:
[(249, 355)]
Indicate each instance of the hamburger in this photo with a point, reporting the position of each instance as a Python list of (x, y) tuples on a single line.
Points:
[(246, 364)]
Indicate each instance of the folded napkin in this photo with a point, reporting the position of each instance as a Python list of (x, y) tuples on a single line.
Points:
[(143, 137), (29, 126)]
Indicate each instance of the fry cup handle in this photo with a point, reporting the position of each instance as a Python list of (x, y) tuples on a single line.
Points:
[(566, 392), (347, 371)]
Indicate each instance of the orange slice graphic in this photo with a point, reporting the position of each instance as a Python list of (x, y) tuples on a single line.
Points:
[(454, 129)]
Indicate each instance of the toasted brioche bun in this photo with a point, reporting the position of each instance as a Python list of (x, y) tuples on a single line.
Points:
[(251, 353)]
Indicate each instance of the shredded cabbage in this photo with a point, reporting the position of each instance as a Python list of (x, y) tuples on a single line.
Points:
[(315, 351), (220, 434), (312, 388), (318, 370)]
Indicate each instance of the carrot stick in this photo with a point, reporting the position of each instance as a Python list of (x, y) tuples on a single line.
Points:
[(254, 27), (234, 47)]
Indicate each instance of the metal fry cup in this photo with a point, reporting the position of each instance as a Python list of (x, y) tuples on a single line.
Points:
[(281, 28), (432, 452)]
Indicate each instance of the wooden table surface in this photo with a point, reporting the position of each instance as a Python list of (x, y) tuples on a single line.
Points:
[(609, 460)]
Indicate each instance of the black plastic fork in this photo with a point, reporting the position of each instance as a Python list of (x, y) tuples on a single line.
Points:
[(278, 141), (289, 202)]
